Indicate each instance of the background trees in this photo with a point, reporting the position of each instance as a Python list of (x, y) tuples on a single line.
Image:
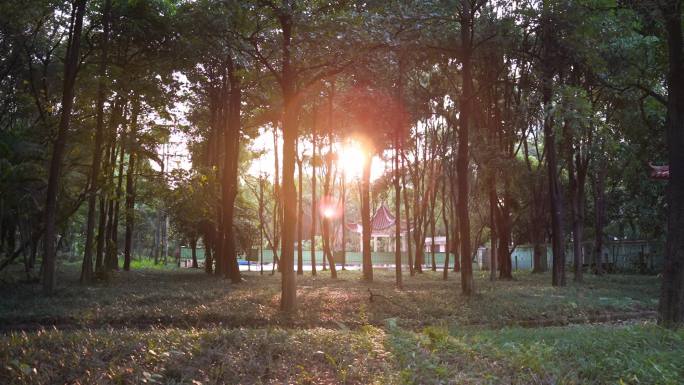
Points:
[(500, 125)]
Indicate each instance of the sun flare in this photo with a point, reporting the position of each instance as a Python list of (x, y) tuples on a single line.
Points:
[(351, 159)]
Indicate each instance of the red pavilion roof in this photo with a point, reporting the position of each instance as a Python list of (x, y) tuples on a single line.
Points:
[(382, 220), (660, 172)]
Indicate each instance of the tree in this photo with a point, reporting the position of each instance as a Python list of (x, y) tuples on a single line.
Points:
[(70, 72), (671, 306), (555, 196), (87, 267)]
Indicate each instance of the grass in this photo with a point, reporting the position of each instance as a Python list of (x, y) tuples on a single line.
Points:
[(178, 326), (582, 354), (212, 355), (189, 298), (630, 354)]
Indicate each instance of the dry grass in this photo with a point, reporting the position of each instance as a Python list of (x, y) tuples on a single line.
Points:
[(192, 299), (182, 327)]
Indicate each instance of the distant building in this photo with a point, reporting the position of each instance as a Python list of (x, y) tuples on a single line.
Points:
[(439, 247), (382, 229)]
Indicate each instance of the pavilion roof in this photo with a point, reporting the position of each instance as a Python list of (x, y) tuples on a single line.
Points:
[(382, 218), (660, 172), (381, 221)]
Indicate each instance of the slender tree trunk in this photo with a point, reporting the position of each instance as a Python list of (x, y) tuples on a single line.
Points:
[(536, 218), (193, 248), (130, 186), (314, 204), (112, 257), (106, 203), (367, 264), (671, 307), (130, 211), (277, 206), (600, 218), (58, 147), (408, 217), (555, 198), (504, 238), (445, 219), (326, 187), (455, 242), (87, 266), (343, 194), (208, 245), (492, 224), (463, 156), (288, 300), (261, 225), (432, 235), (397, 210), (537, 221), (503, 230), (300, 217), (418, 234), (578, 216)]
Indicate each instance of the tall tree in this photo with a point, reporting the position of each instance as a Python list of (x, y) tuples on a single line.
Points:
[(70, 72), (671, 307), (467, 11), (95, 178), (555, 194)]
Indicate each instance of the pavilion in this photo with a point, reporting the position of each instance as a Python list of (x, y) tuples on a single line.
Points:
[(660, 172), (382, 226)]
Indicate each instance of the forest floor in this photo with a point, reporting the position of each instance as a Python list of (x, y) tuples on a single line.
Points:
[(181, 326)]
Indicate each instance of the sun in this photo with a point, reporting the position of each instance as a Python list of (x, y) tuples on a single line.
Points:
[(351, 159)]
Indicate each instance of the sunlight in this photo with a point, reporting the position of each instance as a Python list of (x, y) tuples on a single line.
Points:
[(329, 207), (328, 212), (351, 160)]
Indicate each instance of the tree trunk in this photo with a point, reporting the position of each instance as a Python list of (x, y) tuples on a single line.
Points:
[(537, 217), (300, 217), (407, 213), (367, 264), (130, 211), (445, 219), (261, 224), (344, 219), (106, 203), (600, 218), (493, 208), (314, 205), (417, 226), (130, 186), (70, 71), (397, 211), (112, 257), (208, 245), (87, 266), (432, 234), (288, 300), (326, 188), (277, 207), (193, 249), (555, 198), (537, 222), (463, 157), (504, 233), (230, 173), (671, 307), (578, 217), (455, 235)]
